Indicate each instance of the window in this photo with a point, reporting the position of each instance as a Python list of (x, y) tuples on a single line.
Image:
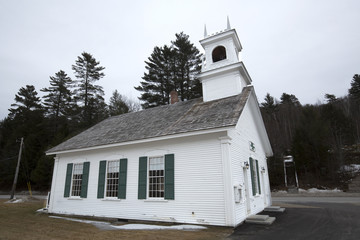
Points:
[(112, 178), (156, 177), (255, 178), (218, 54), (77, 179)]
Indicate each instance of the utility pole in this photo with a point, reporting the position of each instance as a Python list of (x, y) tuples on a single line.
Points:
[(17, 170)]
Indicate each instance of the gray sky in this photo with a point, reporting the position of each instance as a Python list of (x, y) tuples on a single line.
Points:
[(301, 47)]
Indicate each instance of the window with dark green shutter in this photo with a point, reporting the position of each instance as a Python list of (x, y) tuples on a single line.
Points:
[(169, 177), (101, 180), (77, 177), (142, 181), (157, 173), (122, 178), (68, 180)]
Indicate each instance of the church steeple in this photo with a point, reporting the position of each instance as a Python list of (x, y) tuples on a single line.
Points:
[(222, 73)]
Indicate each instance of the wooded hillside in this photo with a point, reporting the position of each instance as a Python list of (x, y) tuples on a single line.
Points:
[(323, 138)]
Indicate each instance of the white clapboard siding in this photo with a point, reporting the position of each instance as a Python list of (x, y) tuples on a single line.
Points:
[(247, 131), (199, 187)]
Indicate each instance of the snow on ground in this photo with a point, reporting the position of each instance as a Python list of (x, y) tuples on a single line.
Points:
[(15, 200), (310, 191), (315, 190), (106, 225)]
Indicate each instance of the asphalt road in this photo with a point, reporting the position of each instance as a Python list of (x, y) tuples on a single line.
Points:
[(308, 218)]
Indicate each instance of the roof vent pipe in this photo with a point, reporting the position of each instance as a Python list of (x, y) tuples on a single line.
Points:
[(174, 97)]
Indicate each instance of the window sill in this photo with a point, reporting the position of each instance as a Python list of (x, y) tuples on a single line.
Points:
[(75, 198), (111, 199), (155, 200)]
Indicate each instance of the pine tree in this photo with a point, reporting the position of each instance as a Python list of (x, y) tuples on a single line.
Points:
[(188, 67), (58, 100), (26, 119), (26, 101), (171, 68), (354, 91), (87, 71), (117, 104)]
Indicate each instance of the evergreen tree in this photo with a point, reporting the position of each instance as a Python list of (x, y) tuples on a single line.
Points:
[(354, 91), (354, 95), (117, 105), (58, 99), (26, 119), (87, 72), (270, 104), (330, 98), (171, 68), (26, 101), (188, 67)]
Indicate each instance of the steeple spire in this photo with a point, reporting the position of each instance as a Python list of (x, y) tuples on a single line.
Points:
[(205, 32), (228, 23)]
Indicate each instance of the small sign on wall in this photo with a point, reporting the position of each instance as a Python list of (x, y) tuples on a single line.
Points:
[(252, 146)]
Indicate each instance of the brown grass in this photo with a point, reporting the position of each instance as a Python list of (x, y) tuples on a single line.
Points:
[(20, 221)]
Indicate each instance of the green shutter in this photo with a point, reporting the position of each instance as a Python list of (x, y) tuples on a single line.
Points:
[(101, 180), (169, 176), (252, 176), (85, 180), (258, 175), (122, 179), (68, 180), (142, 178)]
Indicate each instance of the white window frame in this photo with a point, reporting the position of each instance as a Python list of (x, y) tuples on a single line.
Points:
[(161, 184), (77, 167), (116, 184)]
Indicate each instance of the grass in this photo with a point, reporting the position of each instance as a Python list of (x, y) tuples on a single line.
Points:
[(21, 221)]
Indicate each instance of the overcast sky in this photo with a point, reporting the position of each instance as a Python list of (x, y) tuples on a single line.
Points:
[(301, 47)]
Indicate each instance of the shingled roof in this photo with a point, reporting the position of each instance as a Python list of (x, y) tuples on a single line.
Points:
[(182, 117)]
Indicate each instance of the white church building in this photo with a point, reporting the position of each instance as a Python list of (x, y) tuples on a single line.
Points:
[(201, 161)]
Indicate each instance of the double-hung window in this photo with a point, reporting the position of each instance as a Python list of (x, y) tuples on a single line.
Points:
[(255, 178), (76, 181), (112, 179), (156, 177)]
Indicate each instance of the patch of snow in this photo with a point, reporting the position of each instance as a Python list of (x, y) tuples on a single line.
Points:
[(158, 227), (315, 190), (351, 168), (281, 191), (44, 210), (19, 200), (106, 225)]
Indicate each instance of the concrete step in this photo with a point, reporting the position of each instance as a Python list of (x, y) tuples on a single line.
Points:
[(260, 219), (274, 209)]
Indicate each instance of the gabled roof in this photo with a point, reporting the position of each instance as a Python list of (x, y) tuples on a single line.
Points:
[(182, 117)]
